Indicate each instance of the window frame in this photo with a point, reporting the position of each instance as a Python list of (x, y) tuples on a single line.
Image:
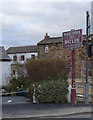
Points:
[(46, 49), (22, 58), (33, 56), (15, 58)]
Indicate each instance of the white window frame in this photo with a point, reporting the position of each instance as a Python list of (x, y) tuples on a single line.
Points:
[(46, 49)]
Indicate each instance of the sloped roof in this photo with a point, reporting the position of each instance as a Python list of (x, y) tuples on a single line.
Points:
[(3, 55), (50, 40), (22, 49)]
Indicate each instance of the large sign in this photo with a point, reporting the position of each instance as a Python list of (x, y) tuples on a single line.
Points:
[(72, 39)]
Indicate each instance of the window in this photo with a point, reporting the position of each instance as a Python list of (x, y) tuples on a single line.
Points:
[(22, 57), (46, 49), (14, 58), (32, 56), (13, 72)]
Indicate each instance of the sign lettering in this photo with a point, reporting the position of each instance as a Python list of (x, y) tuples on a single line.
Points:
[(72, 39)]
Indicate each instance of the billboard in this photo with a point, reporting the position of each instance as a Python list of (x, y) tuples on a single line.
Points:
[(72, 39)]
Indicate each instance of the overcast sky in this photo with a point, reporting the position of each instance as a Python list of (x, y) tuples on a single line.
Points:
[(26, 23)]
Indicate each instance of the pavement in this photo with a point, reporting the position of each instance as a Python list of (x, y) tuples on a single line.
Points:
[(13, 99), (17, 107)]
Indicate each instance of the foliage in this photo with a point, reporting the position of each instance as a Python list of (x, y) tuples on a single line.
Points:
[(50, 90), (5, 88), (41, 69), (20, 69), (18, 84)]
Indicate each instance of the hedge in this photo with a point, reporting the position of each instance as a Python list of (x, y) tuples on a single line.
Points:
[(41, 69), (17, 84), (50, 90)]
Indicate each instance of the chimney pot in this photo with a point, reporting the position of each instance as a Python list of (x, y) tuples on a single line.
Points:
[(46, 36)]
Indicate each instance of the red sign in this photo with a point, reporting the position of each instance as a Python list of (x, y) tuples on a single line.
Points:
[(72, 39)]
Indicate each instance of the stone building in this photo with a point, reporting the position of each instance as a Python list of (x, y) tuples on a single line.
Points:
[(52, 47)]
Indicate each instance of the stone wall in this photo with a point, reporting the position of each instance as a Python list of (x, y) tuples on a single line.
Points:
[(56, 51)]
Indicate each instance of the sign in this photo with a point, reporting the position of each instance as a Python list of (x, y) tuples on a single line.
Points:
[(72, 39), (90, 50)]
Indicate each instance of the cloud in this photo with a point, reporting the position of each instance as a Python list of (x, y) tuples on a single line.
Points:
[(25, 23)]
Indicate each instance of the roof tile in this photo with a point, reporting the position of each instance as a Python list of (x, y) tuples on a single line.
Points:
[(22, 49)]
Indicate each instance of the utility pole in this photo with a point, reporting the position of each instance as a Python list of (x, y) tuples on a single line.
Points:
[(83, 79), (87, 35)]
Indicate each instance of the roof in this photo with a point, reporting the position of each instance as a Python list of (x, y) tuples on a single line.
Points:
[(22, 49), (50, 40), (3, 55)]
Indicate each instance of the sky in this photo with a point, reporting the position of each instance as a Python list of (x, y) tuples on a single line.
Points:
[(26, 22)]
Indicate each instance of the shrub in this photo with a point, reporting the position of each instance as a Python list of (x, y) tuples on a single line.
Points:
[(18, 84), (41, 69), (6, 88), (50, 90)]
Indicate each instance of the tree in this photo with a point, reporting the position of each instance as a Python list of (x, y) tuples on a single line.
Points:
[(41, 69)]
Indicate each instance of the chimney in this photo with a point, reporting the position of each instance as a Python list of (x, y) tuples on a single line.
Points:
[(46, 36)]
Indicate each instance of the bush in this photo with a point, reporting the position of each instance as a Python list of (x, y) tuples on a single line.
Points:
[(6, 88), (17, 84), (41, 69), (51, 90)]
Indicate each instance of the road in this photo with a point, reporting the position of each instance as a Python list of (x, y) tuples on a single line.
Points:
[(18, 108), (74, 117)]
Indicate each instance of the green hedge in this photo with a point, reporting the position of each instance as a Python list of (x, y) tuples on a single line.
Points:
[(17, 84), (51, 90)]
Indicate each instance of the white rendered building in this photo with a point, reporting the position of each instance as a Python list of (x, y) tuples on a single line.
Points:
[(5, 68), (20, 55)]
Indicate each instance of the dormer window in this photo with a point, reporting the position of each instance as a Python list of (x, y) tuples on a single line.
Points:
[(46, 49), (14, 58)]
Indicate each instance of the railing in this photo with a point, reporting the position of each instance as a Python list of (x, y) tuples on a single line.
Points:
[(20, 93)]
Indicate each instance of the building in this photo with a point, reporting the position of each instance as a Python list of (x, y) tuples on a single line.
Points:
[(5, 69), (52, 47), (19, 55)]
